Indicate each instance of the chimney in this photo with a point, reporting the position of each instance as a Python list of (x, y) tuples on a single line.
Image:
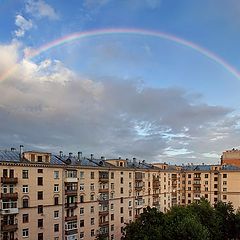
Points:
[(102, 158), (91, 156), (79, 156), (119, 158), (134, 161), (70, 155), (61, 153), (21, 151), (13, 149)]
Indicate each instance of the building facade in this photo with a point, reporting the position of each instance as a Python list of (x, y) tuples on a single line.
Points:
[(55, 197)]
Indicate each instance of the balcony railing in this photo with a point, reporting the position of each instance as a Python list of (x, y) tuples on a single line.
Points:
[(71, 205), (9, 196), (103, 223), (103, 190), (8, 180), (71, 218), (71, 232), (9, 211), (71, 192), (8, 227)]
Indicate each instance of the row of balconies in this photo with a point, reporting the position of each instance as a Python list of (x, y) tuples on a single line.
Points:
[(9, 196)]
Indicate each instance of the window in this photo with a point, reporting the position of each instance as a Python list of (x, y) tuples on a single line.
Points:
[(121, 180), (56, 174), (81, 235), (121, 200), (130, 213), (40, 209), (40, 236), (25, 232), (189, 176), (215, 185), (56, 238), (121, 219), (112, 217), (92, 232), (224, 182), (25, 203), (112, 227), (39, 158), (92, 209), (40, 195), (40, 223), (121, 190), (206, 182), (224, 175), (56, 227), (206, 175), (112, 175), (56, 187), (82, 223), (40, 170), (25, 218), (82, 211), (121, 210), (81, 198), (81, 175), (112, 237), (81, 187), (5, 173), (25, 174), (25, 189), (224, 197), (224, 189), (92, 221), (56, 214), (56, 202), (40, 181), (129, 203), (92, 175), (130, 175), (215, 178), (206, 195), (11, 173), (92, 187)]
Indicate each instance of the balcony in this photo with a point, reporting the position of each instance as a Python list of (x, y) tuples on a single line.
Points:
[(155, 195), (196, 190), (156, 185), (156, 203), (9, 196), (103, 212), (71, 205), (71, 218), (138, 187), (9, 211), (196, 183), (196, 197), (71, 232), (196, 178), (71, 192), (71, 179), (103, 190), (8, 227), (8, 180), (103, 178), (103, 223)]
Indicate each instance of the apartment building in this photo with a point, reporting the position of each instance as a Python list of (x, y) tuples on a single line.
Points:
[(47, 196)]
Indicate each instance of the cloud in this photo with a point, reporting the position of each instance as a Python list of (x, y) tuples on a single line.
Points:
[(40, 9), (23, 25), (47, 104)]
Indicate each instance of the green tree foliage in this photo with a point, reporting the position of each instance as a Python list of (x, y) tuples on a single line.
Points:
[(195, 221)]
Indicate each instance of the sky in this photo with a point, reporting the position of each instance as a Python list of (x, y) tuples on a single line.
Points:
[(157, 80)]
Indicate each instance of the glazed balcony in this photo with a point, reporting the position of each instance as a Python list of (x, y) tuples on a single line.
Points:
[(71, 218), (9, 196), (9, 180), (8, 227)]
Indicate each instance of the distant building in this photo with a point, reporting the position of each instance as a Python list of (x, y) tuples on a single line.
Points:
[(231, 157), (46, 196)]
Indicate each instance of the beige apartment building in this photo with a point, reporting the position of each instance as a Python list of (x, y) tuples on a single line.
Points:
[(55, 197)]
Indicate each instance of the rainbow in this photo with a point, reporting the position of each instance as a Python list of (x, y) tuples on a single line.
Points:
[(123, 31)]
